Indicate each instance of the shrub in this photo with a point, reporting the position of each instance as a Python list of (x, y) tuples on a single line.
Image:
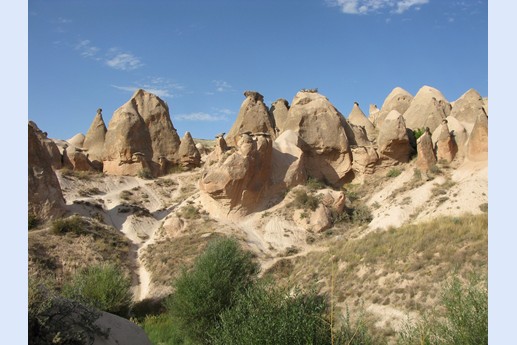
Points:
[(314, 184), (418, 132), (268, 315), (484, 207), (393, 172), (103, 286), (74, 224), (161, 329), (146, 174), (189, 212), (33, 221), (361, 214), (304, 200), (203, 293)]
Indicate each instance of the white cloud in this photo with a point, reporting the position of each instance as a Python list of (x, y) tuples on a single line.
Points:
[(200, 116), (222, 86), (62, 20), (123, 61), (161, 87), (368, 6), (86, 49)]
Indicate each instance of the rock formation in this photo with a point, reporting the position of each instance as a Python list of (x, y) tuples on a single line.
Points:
[(426, 158), (288, 161), (253, 117), (398, 99), (428, 109), (467, 108), (477, 149), (56, 160), (357, 117), (444, 143), (94, 139), (319, 124), (279, 110), (460, 135), (188, 153), (364, 160), (45, 195), (393, 140), (77, 140)]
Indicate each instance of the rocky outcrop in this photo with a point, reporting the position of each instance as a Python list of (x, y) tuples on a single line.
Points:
[(44, 192), (477, 149), (467, 108), (393, 140), (357, 118), (444, 144), (426, 158), (356, 135), (56, 159), (460, 135), (428, 109), (253, 117), (77, 140), (364, 160), (398, 99), (189, 155), (95, 137), (319, 124), (279, 110), (241, 178), (121, 331), (288, 161)]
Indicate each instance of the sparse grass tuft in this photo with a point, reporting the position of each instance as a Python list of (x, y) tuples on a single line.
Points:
[(484, 207), (145, 174), (74, 225), (314, 184), (393, 172), (305, 201), (189, 212)]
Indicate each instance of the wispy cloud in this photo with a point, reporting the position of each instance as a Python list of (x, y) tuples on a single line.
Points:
[(161, 87), (369, 6), (222, 86), (62, 20), (124, 61), (216, 115), (87, 50)]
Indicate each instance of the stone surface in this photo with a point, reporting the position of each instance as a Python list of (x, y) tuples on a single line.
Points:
[(56, 158), (253, 117), (427, 109), (393, 140), (357, 118), (477, 149), (444, 143), (426, 157), (288, 161), (77, 140), (460, 135), (45, 197), (467, 108), (121, 331), (189, 155), (280, 109), (319, 124), (95, 137), (364, 160), (398, 99)]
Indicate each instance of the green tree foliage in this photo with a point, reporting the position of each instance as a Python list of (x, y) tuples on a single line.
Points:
[(102, 286), (265, 315), (201, 294)]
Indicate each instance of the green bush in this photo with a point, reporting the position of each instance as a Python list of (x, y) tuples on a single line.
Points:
[(74, 224), (103, 286), (267, 315), (314, 184), (161, 329), (33, 221), (210, 287), (418, 132), (464, 319), (393, 172), (305, 201)]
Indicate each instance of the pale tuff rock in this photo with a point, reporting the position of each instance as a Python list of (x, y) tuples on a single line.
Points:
[(393, 141), (428, 109), (279, 110), (56, 159), (94, 139), (459, 133), (319, 124), (398, 99), (253, 117), (477, 149), (356, 135), (467, 108), (44, 192), (364, 160), (189, 155), (357, 118), (77, 159), (77, 140), (373, 109), (426, 158), (288, 161), (444, 143)]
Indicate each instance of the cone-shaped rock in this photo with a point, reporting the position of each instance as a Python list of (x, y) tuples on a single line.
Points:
[(467, 108), (357, 117), (478, 139), (428, 109), (253, 117), (398, 99), (426, 157), (393, 140), (279, 109), (77, 140), (319, 124), (56, 158), (373, 109), (356, 135), (94, 139), (444, 143), (155, 112), (460, 135), (188, 153), (45, 195)]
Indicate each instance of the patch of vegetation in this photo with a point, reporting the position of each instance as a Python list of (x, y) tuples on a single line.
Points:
[(314, 184), (302, 200), (165, 182), (189, 212), (418, 132), (33, 221), (443, 188), (89, 192), (125, 195), (393, 172), (161, 329), (80, 175), (73, 224), (145, 174), (484, 207)]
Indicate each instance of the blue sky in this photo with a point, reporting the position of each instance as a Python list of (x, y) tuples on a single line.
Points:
[(200, 56)]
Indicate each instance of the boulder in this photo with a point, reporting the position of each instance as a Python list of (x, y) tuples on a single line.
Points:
[(477, 149), (121, 331), (44, 192), (77, 160), (426, 157), (188, 153), (467, 108), (94, 139), (444, 144), (428, 109), (279, 109), (253, 117), (357, 118), (364, 159), (320, 125), (398, 99), (393, 140)]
